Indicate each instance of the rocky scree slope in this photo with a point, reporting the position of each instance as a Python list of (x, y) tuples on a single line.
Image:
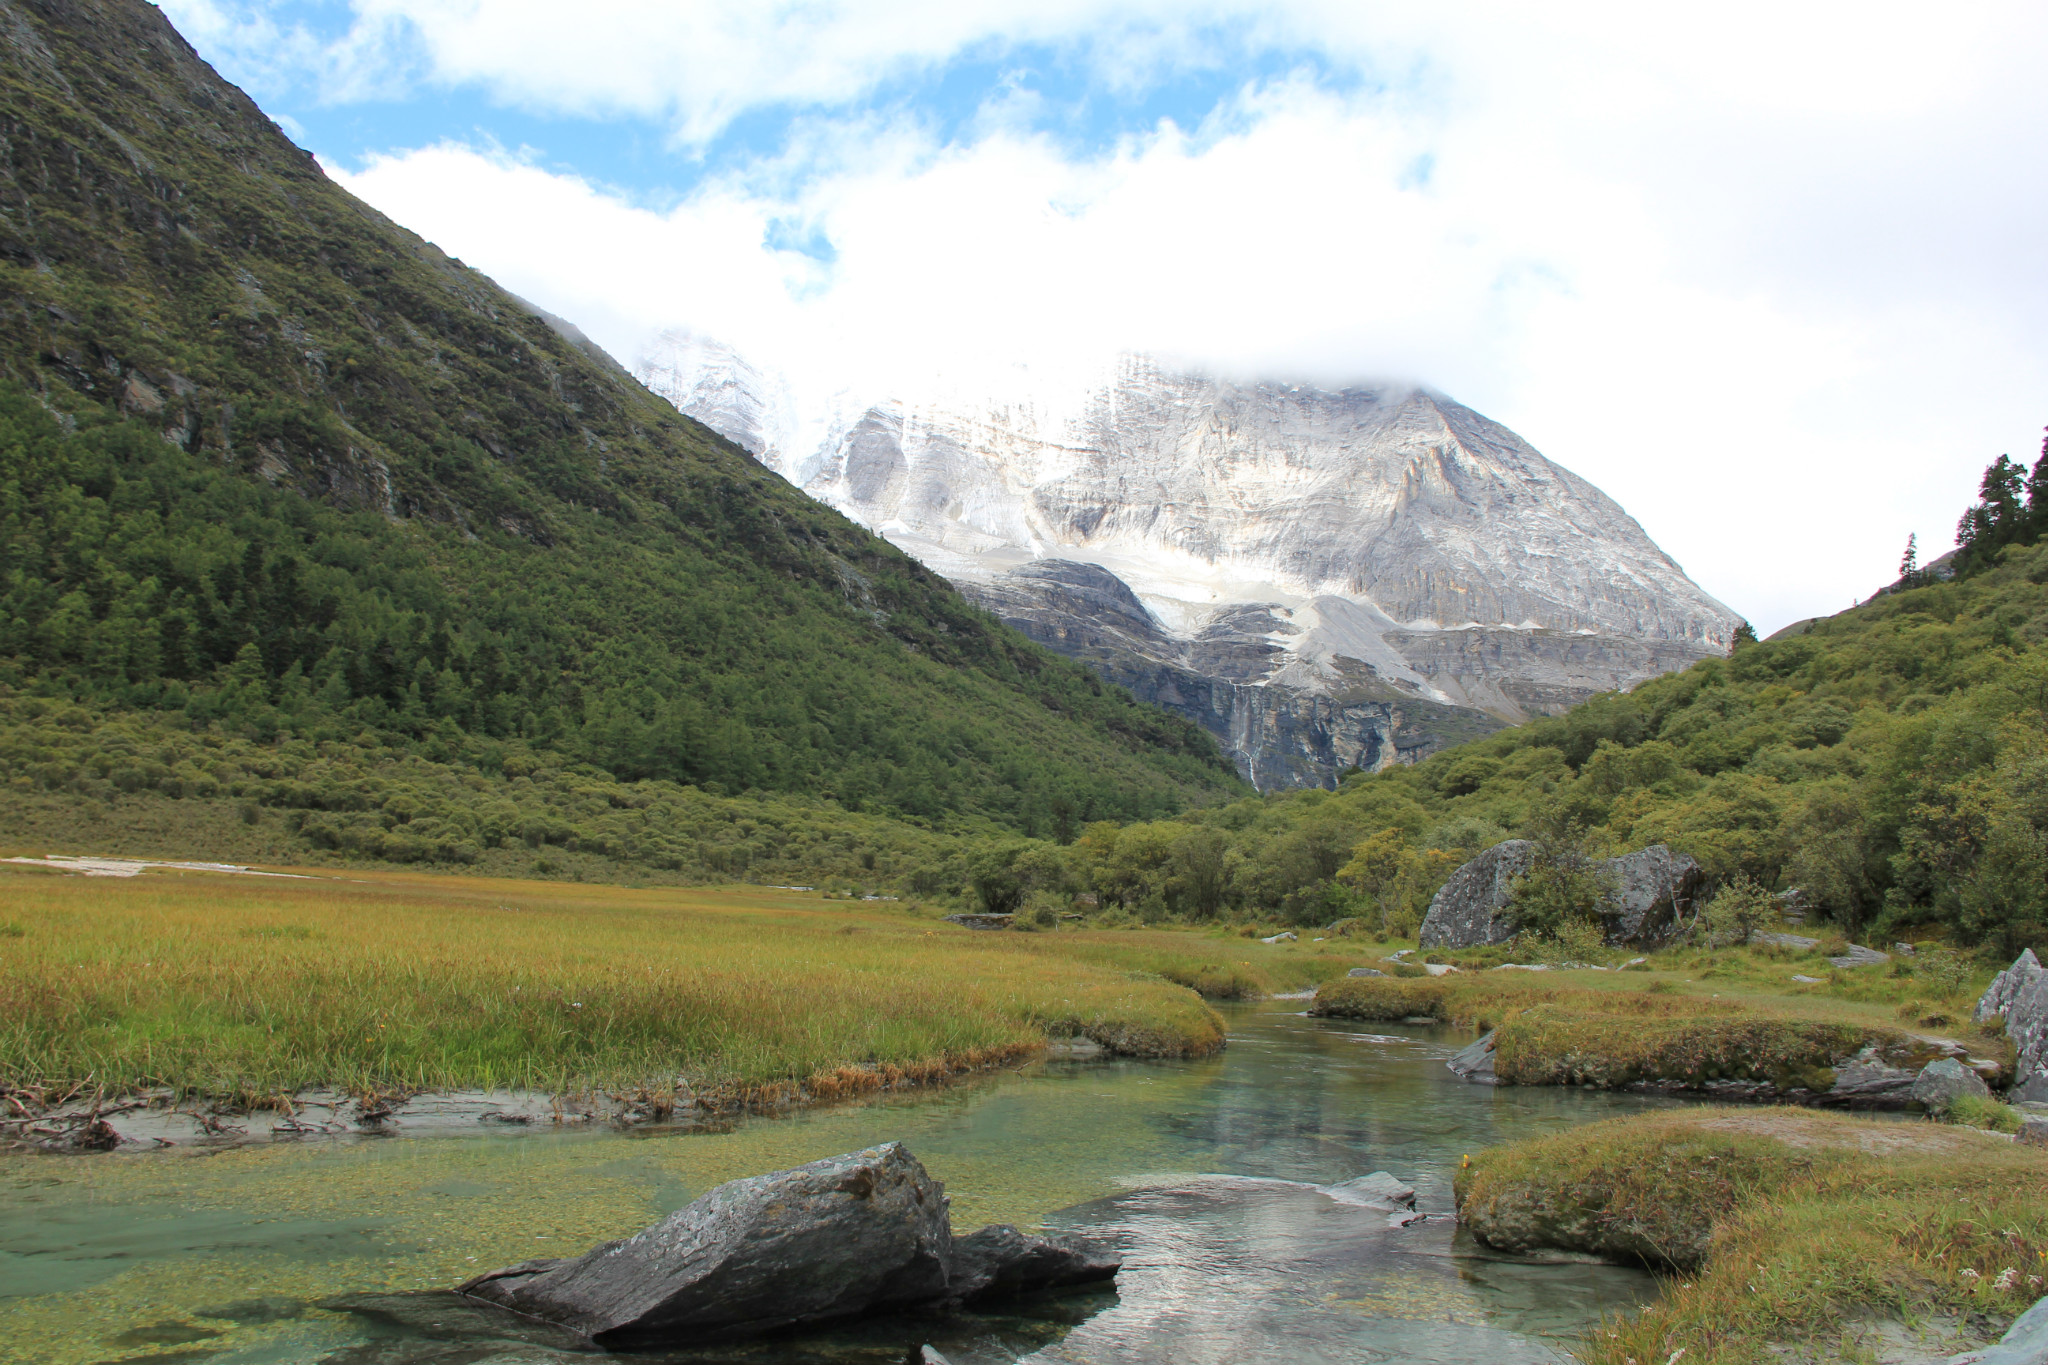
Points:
[(386, 495), (1321, 579)]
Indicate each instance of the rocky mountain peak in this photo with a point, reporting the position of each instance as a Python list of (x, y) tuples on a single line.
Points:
[(1378, 546)]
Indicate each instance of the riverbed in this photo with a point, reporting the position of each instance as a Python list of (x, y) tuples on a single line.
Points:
[(1204, 1170)]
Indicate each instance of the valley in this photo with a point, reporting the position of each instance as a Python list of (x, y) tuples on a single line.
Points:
[(462, 798)]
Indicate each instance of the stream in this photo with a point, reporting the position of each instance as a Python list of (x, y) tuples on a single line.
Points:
[(319, 1250)]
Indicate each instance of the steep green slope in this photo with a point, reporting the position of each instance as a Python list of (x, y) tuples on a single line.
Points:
[(1891, 761), (270, 463)]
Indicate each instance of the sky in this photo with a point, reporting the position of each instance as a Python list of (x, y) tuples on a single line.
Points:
[(1775, 277)]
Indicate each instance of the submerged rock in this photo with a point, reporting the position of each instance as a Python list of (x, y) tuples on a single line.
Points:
[(855, 1234), (1942, 1081), (1380, 1190), (999, 1262)]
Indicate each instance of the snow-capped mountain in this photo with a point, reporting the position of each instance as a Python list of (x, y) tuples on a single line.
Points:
[(1323, 578)]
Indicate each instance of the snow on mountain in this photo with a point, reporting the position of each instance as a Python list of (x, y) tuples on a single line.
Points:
[(1328, 578)]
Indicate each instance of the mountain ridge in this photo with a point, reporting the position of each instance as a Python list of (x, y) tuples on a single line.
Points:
[(1373, 545)]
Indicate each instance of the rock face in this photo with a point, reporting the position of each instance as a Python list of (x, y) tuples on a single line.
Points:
[(1472, 908), (1943, 1081), (1653, 893), (853, 1234), (1324, 578), (2020, 995)]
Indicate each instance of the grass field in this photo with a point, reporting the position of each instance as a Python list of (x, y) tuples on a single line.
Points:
[(1784, 1228), (250, 987)]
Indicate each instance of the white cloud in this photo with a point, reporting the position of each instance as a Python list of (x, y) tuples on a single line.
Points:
[(1769, 275)]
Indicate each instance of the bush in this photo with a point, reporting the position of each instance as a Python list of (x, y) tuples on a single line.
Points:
[(1740, 908)]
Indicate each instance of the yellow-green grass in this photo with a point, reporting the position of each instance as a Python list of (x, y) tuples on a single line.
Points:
[(1609, 1029), (1781, 1226), (252, 987)]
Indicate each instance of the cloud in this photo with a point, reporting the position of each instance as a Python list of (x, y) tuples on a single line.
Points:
[(1766, 274)]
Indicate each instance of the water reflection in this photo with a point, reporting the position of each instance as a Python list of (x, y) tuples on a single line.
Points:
[(320, 1249)]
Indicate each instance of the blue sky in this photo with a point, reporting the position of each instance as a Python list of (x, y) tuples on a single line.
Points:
[(1712, 262)]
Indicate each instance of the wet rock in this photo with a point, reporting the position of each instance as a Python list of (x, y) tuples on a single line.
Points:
[(1380, 1190), (1000, 1262), (1860, 956), (1475, 1063), (1942, 1081), (1472, 908), (832, 1239), (2020, 995), (1654, 889), (1867, 1081), (1365, 971)]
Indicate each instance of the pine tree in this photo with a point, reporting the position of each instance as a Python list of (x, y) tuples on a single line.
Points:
[(1909, 563)]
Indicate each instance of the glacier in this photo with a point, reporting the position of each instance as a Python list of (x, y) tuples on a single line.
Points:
[(1325, 579)]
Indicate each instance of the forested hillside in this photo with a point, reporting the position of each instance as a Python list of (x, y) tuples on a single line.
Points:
[(274, 469), (1891, 762)]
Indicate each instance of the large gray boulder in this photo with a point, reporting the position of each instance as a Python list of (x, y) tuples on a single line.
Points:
[(2024, 1343), (833, 1239), (1942, 1082), (1474, 906), (1653, 894), (2020, 995)]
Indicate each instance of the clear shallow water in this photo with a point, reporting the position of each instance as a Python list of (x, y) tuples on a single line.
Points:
[(225, 1255)]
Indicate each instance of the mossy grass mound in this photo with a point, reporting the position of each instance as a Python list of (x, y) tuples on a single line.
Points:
[(1781, 1227), (1554, 1029)]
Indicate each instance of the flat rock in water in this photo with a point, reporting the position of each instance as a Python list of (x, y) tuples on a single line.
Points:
[(1380, 1190), (999, 1262), (1859, 956), (1475, 1063), (1942, 1081), (833, 1239)]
